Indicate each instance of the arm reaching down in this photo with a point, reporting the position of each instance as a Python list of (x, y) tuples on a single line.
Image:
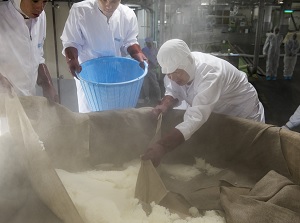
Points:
[(136, 53), (5, 85), (44, 80), (72, 61), (167, 103), (166, 144)]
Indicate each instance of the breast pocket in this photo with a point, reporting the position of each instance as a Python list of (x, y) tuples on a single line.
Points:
[(119, 42)]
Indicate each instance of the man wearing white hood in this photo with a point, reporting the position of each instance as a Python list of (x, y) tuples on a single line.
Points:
[(208, 84), (23, 31)]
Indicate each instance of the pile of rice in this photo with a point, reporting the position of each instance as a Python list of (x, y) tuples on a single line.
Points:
[(108, 196)]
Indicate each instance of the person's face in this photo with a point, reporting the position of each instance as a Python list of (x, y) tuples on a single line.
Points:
[(179, 76), (108, 6), (33, 8), (148, 44)]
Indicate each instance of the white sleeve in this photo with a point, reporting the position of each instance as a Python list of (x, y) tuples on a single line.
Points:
[(72, 36), (294, 119), (42, 37), (208, 94), (132, 29)]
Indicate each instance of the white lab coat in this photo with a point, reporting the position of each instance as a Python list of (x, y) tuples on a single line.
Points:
[(271, 48), (217, 87), (291, 48), (21, 50), (294, 120), (88, 30)]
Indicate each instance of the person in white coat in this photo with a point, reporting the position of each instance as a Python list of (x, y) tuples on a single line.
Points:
[(22, 65), (151, 83), (294, 120), (98, 28), (208, 84), (291, 48), (271, 50)]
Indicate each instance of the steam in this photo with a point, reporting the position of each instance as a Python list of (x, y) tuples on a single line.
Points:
[(14, 186)]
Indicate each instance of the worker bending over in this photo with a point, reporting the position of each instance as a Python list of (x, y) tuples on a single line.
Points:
[(208, 84)]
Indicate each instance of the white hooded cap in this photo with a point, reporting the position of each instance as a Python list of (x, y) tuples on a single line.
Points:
[(17, 5), (175, 54)]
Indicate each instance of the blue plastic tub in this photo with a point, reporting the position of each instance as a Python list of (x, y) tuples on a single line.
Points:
[(112, 82)]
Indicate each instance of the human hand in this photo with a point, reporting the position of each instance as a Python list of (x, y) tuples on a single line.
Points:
[(165, 104), (159, 109), (5, 85), (166, 144), (136, 53), (140, 57), (50, 93), (74, 67), (72, 61), (154, 153)]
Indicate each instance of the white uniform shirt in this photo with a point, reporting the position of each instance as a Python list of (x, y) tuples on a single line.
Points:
[(272, 44), (218, 87), (294, 120), (88, 30), (291, 47), (21, 49)]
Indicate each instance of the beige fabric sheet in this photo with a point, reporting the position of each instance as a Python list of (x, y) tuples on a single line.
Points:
[(273, 199), (245, 150), (37, 166)]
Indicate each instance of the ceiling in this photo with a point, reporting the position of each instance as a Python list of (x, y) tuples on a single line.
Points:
[(151, 3), (210, 2)]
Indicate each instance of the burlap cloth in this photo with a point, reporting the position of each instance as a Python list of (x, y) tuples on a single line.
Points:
[(246, 152), (273, 199)]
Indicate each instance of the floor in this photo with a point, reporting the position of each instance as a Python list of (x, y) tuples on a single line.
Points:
[(279, 97)]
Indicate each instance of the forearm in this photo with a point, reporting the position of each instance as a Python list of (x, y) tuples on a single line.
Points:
[(44, 78), (71, 53), (171, 140), (166, 144), (2, 78), (168, 102), (136, 53), (5, 84)]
